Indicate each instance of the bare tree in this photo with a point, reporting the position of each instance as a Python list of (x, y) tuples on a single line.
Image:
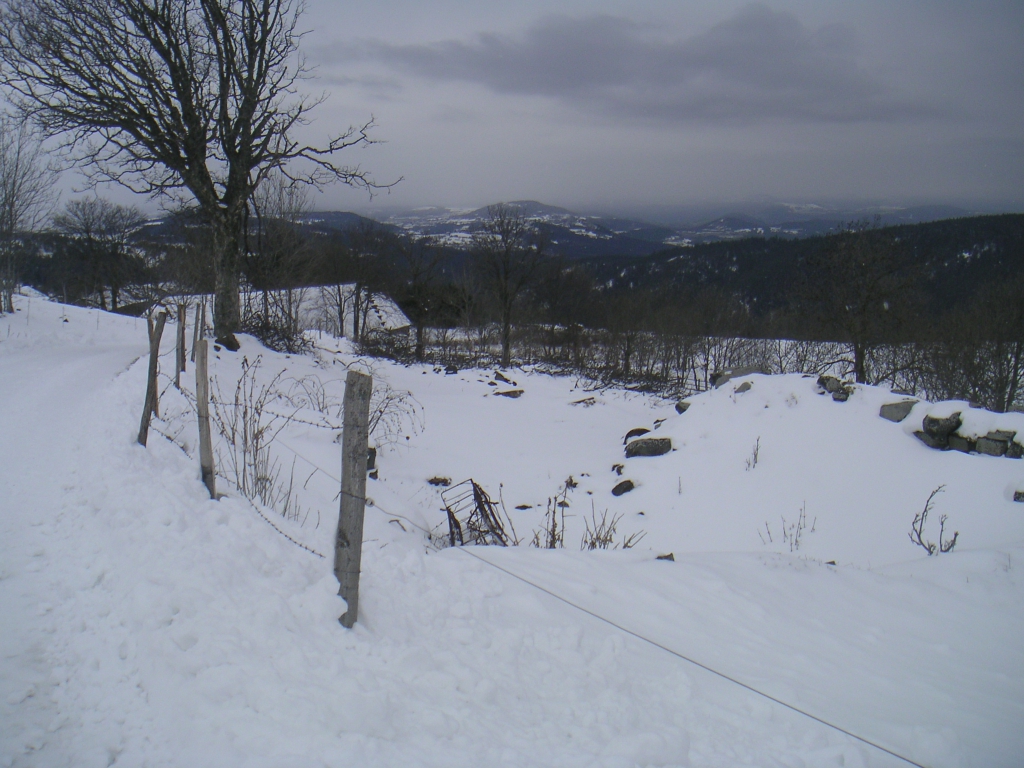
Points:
[(419, 292), (507, 258), (860, 286), (26, 191), (978, 350), (181, 97), (276, 242), (277, 263), (100, 233), (367, 261)]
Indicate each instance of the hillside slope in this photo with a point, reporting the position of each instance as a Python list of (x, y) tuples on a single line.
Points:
[(147, 625)]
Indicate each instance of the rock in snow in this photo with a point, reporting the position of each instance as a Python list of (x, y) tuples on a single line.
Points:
[(897, 412), (995, 443), (624, 487), (636, 432), (940, 427), (648, 446)]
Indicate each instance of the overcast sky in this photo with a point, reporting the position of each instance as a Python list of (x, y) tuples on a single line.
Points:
[(611, 103), (614, 105)]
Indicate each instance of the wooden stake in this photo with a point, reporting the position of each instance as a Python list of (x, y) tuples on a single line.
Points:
[(196, 331), (151, 406), (203, 408), (182, 339), (179, 346), (348, 544)]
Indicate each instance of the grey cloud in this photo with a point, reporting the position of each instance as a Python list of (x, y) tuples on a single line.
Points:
[(759, 64), (381, 89)]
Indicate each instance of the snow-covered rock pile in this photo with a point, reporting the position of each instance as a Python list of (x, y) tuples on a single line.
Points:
[(959, 426)]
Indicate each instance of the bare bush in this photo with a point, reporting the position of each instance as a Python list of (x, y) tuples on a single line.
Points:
[(917, 528), (600, 534), (551, 535), (311, 392), (273, 318), (393, 412), (249, 427), (792, 533), (754, 454)]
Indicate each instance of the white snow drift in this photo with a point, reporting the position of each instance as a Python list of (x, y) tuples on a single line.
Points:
[(144, 624)]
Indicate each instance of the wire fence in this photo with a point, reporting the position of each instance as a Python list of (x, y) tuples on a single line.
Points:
[(468, 551)]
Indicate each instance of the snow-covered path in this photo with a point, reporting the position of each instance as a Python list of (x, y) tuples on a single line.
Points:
[(46, 427), (144, 624)]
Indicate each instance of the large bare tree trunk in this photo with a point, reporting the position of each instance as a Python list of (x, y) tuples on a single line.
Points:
[(506, 342), (227, 318), (420, 333), (860, 366)]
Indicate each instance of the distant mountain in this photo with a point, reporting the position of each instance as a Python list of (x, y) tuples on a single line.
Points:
[(172, 229), (569, 234), (578, 235), (531, 209), (574, 235), (336, 221), (805, 217)]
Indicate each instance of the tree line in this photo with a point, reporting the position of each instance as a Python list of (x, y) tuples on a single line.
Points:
[(855, 302), (882, 305)]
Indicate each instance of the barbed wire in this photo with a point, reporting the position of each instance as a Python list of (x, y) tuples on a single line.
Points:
[(272, 525)]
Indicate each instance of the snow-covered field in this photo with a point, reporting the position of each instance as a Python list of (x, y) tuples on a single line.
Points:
[(145, 625)]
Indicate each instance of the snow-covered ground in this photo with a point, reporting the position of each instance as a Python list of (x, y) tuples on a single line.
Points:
[(146, 625)]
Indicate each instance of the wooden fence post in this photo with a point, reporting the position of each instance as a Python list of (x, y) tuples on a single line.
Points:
[(197, 331), (182, 338), (348, 544), (151, 404), (203, 409), (179, 346)]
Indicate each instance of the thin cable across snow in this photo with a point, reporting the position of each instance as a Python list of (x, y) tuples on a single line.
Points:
[(468, 551)]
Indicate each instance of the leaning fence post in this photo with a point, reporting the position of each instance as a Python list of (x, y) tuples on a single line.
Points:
[(196, 330), (203, 409), (348, 543), (179, 346), (182, 338), (151, 406)]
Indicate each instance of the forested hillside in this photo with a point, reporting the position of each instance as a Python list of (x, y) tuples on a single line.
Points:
[(950, 259)]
